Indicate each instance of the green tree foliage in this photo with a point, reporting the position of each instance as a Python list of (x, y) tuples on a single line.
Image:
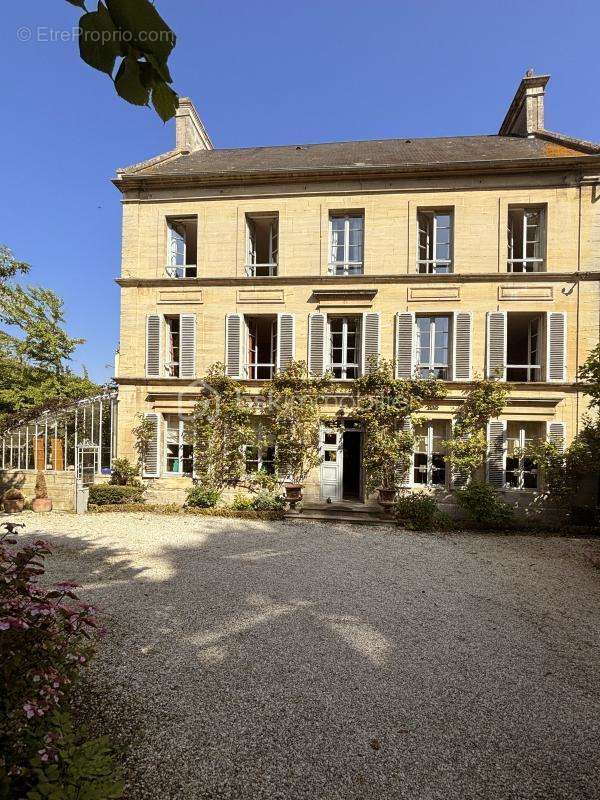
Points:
[(130, 42), (483, 401), (383, 404), (589, 375), (221, 428), (35, 348), (295, 398)]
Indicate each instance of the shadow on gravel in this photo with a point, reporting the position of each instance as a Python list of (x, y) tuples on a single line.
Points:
[(268, 660)]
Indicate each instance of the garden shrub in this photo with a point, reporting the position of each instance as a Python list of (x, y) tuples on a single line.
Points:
[(174, 508), (267, 501), (102, 494), (124, 473), (202, 497), (242, 502), (482, 504), (417, 511), (46, 638)]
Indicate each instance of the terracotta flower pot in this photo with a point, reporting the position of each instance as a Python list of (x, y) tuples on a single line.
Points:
[(386, 495), (41, 504), (293, 494), (13, 506)]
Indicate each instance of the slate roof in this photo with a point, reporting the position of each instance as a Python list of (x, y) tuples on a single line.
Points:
[(386, 154)]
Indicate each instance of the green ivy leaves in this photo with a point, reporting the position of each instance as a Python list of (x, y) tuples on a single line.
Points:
[(133, 31)]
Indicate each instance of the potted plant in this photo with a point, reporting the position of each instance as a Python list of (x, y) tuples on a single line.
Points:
[(296, 397), (13, 501), (384, 405), (41, 501)]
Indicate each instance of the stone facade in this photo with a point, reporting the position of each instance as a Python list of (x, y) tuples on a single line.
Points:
[(479, 198)]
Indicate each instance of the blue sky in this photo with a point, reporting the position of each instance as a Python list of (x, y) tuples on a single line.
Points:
[(260, 73)]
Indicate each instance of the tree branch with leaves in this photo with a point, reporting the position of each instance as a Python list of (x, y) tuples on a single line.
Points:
[(132, 33)]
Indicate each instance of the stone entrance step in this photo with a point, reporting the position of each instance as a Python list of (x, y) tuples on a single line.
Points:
[(345, 511)]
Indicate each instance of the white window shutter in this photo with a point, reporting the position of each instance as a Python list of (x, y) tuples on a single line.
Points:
[(370, 340), (461, 351), (233, 345), (151, 466), (555, 434), (405, 344), (496, 453), (317, 339), (153, 337), (187, 355), (407, 477), (556, 349), (496, 345), (285, 340)]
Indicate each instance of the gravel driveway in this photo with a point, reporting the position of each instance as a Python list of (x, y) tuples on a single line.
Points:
[(304, 660)]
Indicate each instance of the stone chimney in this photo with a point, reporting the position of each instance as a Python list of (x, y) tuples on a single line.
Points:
[(190, 133), (526, 113)]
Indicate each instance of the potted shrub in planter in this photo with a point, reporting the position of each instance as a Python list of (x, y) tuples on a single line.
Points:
[(41, 501), (296, 398), (384, 405), (13, 501)]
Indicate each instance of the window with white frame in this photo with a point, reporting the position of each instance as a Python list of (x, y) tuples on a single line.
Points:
[(429, 459), (346, 234), (526, 239), (262, 240), (344, 347), (260, 458), (434, 230), (261, 354), (433, 346), (178, 445), (523, 347), (521, 469), (172, 346), (182, 245)]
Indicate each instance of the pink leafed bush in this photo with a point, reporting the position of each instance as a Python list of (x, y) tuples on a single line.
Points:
[(46, 637)]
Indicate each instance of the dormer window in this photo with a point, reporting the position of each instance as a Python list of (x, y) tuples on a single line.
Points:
[(262, 238), (182, 243)]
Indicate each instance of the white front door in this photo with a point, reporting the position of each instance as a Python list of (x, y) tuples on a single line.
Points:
[(332, 466)]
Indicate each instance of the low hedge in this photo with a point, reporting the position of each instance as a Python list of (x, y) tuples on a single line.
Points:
[(173, 508), (108, 494)]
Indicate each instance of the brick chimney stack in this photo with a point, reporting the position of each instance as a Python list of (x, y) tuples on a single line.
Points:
[(190, 133), (526, 113)]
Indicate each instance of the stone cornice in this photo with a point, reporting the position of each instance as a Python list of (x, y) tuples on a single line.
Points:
[(128, 182), (179, 386), (357, 281)]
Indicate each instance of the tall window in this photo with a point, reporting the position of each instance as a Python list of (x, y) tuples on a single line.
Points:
[(344, 340), (182, 248), (521, 471), (523, 347), (179, 450), (262, 347), (262, 232), (346, 241), (433, 346), (172, 345), (434, 241), (526, 239), (430, 453)]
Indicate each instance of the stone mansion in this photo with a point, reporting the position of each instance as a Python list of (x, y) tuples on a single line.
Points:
[(455, 257)]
